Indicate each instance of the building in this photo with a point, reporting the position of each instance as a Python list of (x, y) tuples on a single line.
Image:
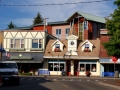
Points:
[(106, 64), (73, 56), (26, 47)]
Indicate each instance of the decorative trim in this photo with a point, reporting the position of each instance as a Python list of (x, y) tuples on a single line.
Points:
[(17, 49), (36, 49)]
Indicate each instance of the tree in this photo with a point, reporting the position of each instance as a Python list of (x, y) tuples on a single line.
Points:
[(11, 25), (113, 26), (38, 19)]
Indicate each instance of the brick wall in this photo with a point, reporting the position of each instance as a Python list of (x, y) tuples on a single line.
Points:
[(103, 38)]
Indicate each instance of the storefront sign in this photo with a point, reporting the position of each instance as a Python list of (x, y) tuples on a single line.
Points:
[(20, 57)]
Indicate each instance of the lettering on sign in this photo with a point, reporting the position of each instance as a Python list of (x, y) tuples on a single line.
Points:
[(20, 57)]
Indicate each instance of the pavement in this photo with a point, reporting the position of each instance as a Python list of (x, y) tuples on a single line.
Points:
[(114, 82)]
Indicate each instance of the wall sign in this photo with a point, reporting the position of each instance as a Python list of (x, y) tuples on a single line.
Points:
[(20, 57)]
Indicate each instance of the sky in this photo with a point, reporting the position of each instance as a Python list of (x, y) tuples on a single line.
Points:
[(22, 16)]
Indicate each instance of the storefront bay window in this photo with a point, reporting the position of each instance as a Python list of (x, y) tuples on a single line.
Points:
[(86, 65), (56, 65)]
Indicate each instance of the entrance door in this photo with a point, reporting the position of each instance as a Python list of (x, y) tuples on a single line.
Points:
[(68, 67), (76, 66)]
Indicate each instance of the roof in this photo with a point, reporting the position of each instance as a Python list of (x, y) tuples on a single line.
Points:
[(20, 28), (52, 54), (88, 17), (52, 23)]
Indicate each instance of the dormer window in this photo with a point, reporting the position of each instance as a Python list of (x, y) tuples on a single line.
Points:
[(86, 45), (87, 48), (57, 48)]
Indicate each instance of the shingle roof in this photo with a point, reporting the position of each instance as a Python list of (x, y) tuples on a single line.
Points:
[(94, 53)]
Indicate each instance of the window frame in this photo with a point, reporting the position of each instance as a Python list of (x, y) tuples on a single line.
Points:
[(37, 43), (14, 43), (58, 33)]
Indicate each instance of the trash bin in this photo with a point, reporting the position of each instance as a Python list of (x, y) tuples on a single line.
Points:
[(63, 73), (116, 74)]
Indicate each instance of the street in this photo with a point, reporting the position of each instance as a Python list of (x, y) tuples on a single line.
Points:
[(48, 83)]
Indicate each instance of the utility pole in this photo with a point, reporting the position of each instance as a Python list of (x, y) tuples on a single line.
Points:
[(45, 23)]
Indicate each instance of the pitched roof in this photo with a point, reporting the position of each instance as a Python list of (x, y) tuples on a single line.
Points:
[(88, 17), (52, 54)]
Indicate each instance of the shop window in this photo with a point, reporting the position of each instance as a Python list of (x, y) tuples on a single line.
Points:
[(87, 67), (17, 43), (36, 43), (61, 67), (56, 66), (82, 67), (93, 69), (50, 66)]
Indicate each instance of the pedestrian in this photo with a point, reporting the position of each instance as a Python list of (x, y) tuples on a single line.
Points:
[(88, 73)]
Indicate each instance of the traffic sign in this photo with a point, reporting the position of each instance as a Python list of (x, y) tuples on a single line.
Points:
[(114, 59)]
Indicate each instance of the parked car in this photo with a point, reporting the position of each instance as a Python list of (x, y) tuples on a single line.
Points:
[(9, 72)]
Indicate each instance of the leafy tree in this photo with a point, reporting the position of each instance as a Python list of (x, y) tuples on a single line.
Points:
[(38, 19), (113, 26), (11, 25)]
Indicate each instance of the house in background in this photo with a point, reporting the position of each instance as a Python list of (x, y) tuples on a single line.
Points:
[(106, 64), (86, 26)]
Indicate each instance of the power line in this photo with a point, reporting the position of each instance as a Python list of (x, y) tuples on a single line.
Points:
[(55, 4)]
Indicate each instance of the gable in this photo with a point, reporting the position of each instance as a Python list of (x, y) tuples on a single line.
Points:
[(72, 37)]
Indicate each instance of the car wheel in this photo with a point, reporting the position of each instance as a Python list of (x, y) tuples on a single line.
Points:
[(17, 83)]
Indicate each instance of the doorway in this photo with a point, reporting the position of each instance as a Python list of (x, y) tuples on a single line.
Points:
[(68, 65), (76, 67)]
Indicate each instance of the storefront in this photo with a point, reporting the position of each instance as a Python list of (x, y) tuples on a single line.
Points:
[(106, 65), (27, 61), (74, 67)]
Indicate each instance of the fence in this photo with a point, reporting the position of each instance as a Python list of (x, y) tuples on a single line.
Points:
[(43, 72), (107, 74)]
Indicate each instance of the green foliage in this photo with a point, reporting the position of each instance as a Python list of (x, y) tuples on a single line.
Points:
[(11, 25), (113, 27), (38, 19)]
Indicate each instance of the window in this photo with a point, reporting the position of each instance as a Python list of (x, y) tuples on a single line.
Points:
[(82, 67), (17, 43), (58, 33), (67, 31), (55, 65), (81, 31), (88, 65), (86, 45), (57, 46), (36, 43), (85, 25)]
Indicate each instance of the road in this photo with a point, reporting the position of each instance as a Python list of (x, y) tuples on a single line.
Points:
[(47, 83)]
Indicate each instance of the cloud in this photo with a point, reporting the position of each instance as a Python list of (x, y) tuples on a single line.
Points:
[(25, 14)]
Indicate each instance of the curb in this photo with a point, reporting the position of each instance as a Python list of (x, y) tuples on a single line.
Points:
[(109, 85)]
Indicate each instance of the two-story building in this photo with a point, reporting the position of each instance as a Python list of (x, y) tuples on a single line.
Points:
[(26, 47)]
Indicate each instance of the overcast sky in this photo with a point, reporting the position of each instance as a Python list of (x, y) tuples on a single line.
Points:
[(24, 15)]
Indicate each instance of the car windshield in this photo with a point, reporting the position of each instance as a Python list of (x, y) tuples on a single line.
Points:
[(8, 65)]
